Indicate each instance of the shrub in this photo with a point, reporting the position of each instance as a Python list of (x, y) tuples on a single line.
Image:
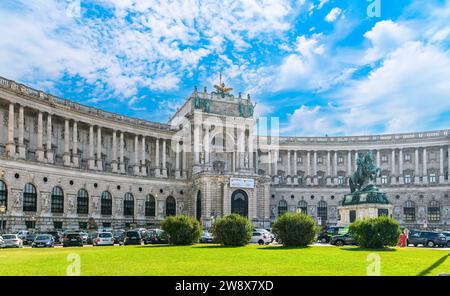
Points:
[(232, 230), (375, 233), (295, 229), (182, 230)]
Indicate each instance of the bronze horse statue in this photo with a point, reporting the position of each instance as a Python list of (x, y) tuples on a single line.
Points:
[(367, 171)]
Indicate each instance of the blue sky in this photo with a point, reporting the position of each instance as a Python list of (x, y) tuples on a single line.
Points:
[(321, 66)]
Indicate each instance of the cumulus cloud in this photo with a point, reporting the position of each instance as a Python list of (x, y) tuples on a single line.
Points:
[(333, 14)]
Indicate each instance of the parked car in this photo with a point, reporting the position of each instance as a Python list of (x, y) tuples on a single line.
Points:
[(447, 236), (43, 241), (260, 237), (206, 237), (84, 236), (271, 235), (104, 239), (117, 234), (131, 237), (29, 238), (427, 238), (2, 242), (57, 236), (155, 236), (326, 235), (22, 233), (343, 239), (73, 239), (91, 237), (12, 241)]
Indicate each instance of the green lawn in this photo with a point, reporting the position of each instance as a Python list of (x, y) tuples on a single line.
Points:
[(216, 260)]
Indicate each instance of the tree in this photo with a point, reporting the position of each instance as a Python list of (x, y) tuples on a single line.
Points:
[(182, 230)]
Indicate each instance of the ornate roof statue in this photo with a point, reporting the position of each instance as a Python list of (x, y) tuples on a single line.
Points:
[(222, 89)]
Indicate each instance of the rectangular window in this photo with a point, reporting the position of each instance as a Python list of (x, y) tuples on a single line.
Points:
[(383, 212), (408, 157), (30, 224), (432, 178), (319, 160), (341, 180), (82, 225), (57, 225), (384, 180), (299, 159), (384, 158), (409, 214), (407, 179), (434, 214), (340, 160)]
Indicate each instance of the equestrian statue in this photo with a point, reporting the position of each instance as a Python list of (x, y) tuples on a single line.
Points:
[(366, 172)]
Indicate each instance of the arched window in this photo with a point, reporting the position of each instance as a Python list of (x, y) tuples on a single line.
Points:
[(150, 206), (128, 204), (198, 207), (282, 207), (106, 203), (82, 202), (434, 211), (3, 194), (322, 210), (303, 206), (57, 200), (239, 203), (29, 198), (409, 211), (171, 204)]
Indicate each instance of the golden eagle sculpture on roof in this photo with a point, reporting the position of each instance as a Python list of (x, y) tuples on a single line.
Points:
[(222, 89), (221, 86)]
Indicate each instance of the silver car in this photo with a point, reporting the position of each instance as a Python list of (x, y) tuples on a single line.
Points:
[(1, 242), (12, 241), (44, 241)]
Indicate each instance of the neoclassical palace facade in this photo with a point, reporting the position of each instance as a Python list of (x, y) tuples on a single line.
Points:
[(64, 165)]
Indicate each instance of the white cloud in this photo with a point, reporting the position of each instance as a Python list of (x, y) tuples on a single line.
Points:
[(386, 36), (333, 14)]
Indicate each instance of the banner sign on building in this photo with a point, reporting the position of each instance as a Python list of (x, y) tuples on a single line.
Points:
[(242, 183)]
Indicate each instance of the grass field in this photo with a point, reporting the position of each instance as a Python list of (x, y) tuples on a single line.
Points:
[(217, 260)]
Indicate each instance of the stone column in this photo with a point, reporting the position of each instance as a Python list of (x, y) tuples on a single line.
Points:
[(275, 164), (75, 159), (355, 163), (114, 152), (448, 165), (136, 167), (335, 167), (416, 167), (184, 161), (441, 165), (269, 162), (91, 148), (11, 145), (425, 166), (157, 162), (66, 155), (378, 180), (400, 166), (99, 149), (289, 173), (256, 160), (295, 163), (328, 176), (240, 148), (121, 152), (206, 146), (250, 149), (164, 169), (177, 160), (349, 163), (49, 150), (393, 172), (196, 145), (39, 147), (22, 154), (308, 167), (143, 158)]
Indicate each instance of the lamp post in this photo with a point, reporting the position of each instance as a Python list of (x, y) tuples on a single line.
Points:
[(2, 212)]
